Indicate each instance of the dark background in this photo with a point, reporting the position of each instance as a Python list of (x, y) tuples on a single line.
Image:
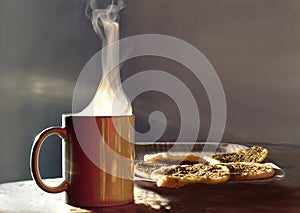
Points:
[(254, 46)]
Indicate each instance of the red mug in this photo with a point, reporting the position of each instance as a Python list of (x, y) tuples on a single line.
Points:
[(99, 160)]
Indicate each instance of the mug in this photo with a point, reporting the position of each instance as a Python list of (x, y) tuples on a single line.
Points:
[(98, 154)]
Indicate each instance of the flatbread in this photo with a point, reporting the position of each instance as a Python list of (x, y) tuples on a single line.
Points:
[(144, 169), (180, 175), (249, 171), (174, 158), (254, 154)]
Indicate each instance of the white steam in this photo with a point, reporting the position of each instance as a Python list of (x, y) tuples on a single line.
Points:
[(110, 99)]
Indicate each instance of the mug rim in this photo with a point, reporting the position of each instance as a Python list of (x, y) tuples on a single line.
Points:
[(66, 115)]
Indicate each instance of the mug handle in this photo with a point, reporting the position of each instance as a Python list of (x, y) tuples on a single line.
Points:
[(34, 159)]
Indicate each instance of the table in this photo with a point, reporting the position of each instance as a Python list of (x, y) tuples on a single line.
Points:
[(277, 196)]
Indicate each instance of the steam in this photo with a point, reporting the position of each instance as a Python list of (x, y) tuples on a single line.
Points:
[(110, 99)]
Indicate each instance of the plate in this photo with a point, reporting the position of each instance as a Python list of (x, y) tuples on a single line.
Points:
[(198, 148)]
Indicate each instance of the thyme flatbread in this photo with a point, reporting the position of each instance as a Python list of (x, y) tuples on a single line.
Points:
[(180, 175), (174, 158), (254, 154), (249, 171), (144, 169)]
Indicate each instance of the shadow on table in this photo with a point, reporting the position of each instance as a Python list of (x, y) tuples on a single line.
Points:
[(128, 208), (235, 198), (231, 197)]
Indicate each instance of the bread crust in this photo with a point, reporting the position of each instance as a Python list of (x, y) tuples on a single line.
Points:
[(249, 171)]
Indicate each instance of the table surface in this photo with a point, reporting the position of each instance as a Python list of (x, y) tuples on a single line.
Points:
[(275, 196)]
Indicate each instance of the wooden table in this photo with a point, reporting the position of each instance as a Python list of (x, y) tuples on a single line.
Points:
[(277, 196)]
